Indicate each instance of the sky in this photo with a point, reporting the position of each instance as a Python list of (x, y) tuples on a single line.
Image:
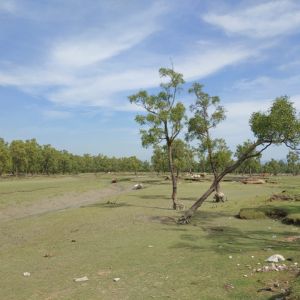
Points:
[(67, 67)]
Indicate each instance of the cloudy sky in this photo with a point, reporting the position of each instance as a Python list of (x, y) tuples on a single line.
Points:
[(68, 66)]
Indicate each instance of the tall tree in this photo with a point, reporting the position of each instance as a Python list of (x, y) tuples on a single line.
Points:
[(208, 113), (18, 156), (293, 160), (280, 125), (33, 156), (4, 156), (164, 118)]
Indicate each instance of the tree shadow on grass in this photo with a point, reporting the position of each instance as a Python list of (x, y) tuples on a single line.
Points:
[(152, 197), (107, 205), (227, 239)]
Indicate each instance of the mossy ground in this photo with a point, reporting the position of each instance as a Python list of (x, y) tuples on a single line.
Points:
[(138, 240)]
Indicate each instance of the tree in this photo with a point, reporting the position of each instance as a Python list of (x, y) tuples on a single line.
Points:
[(183, 156), (293, 162), (250, 165), (33, 156), (280, 125), (17, 151), (208, 113), (4, 156), (164, 118), (272, 167), (49, 159), (159, 159)]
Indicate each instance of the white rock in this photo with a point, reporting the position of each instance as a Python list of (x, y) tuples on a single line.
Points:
[(275, 258), (138, 186), (81, 279), (150, 246), (230, 257), (116, 279), (26, 274)]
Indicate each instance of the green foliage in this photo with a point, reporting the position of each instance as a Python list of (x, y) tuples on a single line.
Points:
[(251, 165), (293, 161), (17, 150), (208, 113), (4, 156), (164, 117), (279, 125), (31, 158), (182, 157)]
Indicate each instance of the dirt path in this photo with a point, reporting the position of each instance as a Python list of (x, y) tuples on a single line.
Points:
[(66, 201)]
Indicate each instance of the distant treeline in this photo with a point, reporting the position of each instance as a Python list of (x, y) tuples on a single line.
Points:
[(28, 157)]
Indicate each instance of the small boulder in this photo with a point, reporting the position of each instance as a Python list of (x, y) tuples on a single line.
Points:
[(81, 279), (137, 186), (275, 258)]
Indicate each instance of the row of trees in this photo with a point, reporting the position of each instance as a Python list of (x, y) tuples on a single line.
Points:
[(28, 157), (165, 118), (190, 159)]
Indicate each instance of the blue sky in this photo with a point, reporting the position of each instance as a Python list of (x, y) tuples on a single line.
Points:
[(67, 67)]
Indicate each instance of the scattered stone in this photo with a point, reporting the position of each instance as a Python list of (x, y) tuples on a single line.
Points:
[(292, 238), (275, 258), (228, 286), (104, 272), (265, 289), (273, 267), (26, 274), (116, 279), (114, 180), (73, 241), (48, 255), (81, 279), (230, 257), (137, 186), (245, 275), (150, 246)]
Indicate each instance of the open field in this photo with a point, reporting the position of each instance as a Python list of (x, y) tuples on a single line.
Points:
[(135, 238)]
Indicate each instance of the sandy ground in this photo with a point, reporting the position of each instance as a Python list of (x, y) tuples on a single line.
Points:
[(66, 201)]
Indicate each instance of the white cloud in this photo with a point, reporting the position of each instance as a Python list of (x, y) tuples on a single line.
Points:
[(212, 59), (56, 114), (97, 46), (8, 6), (265, 20)]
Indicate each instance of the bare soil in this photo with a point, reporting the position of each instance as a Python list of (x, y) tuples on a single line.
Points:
[(65, 201)]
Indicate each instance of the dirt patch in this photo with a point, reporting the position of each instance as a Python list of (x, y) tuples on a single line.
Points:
[(253, 180), (66, 201), (283, 196), (262, 213)]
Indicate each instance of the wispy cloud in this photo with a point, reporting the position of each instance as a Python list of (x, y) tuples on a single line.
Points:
[(8, 6), (265, 20), (56, 114)]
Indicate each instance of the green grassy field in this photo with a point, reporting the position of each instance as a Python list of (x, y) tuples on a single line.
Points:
[(136, 239)]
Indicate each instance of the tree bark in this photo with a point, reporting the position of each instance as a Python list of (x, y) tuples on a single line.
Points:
[(173, 177), (185, 219)]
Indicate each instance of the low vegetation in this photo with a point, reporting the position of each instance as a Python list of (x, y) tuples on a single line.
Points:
[(133, 235)]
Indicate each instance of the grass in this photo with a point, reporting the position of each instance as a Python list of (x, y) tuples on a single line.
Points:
[(137, 240)]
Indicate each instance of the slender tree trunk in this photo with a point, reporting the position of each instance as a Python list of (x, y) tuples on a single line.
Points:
[(173, 177), (185, 219)]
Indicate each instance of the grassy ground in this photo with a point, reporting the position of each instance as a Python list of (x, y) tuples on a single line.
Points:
[(137, 240)]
